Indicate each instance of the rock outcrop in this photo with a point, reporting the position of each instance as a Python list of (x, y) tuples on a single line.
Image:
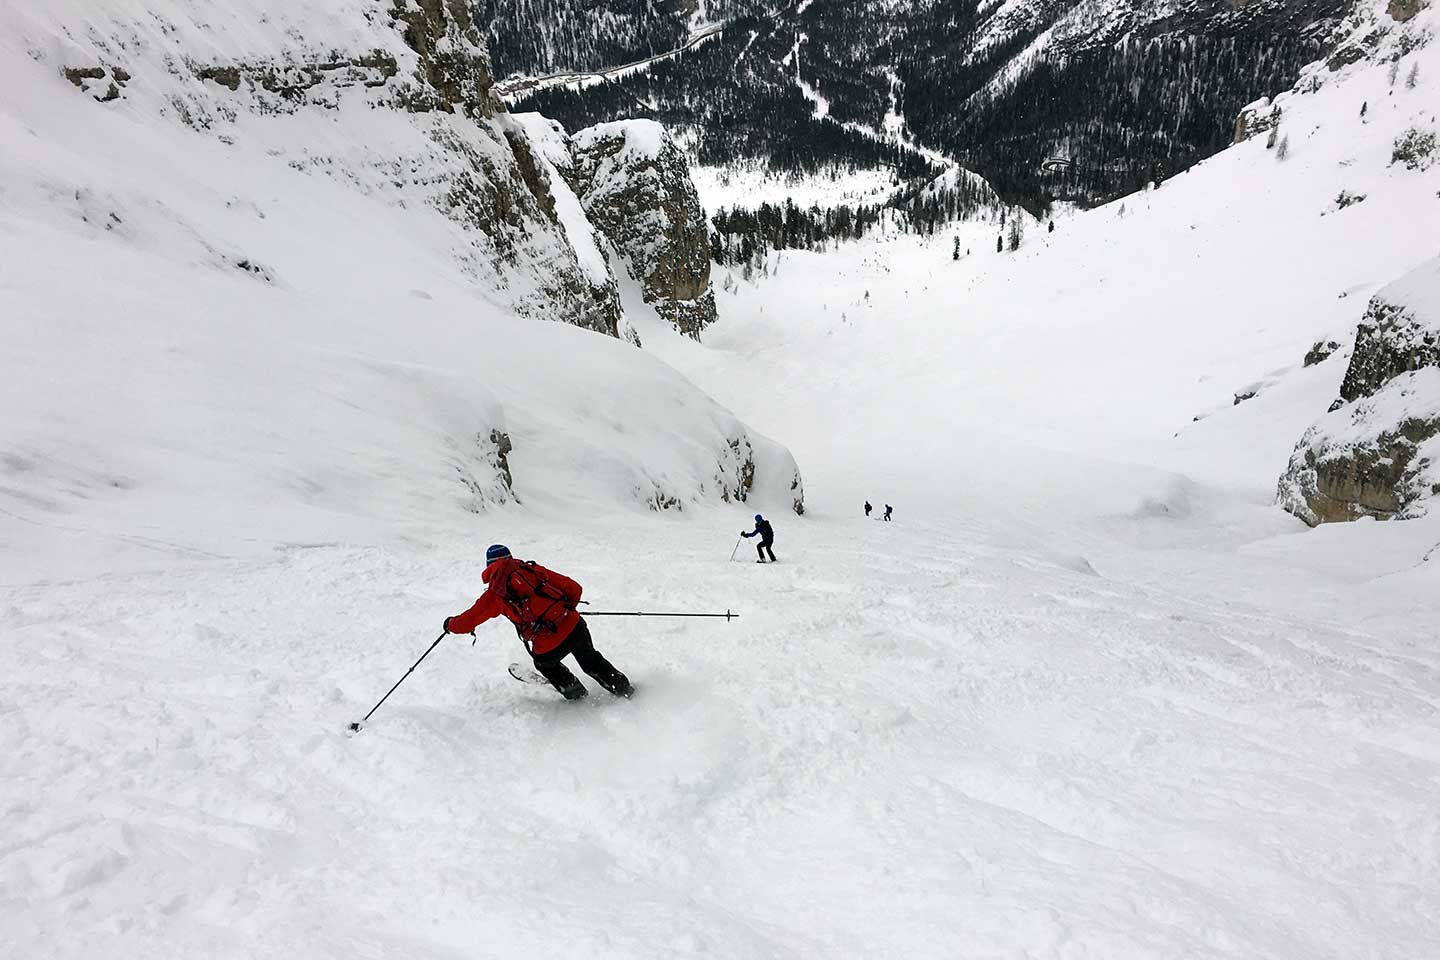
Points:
[(1322, 350), (1376, 453), (736, 478), (631, 183), (1256, 118), (636, 188), (1403, 10), (1415, 149), (454, 67)]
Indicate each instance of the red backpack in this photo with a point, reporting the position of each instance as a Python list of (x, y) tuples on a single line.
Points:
[(540, 606)]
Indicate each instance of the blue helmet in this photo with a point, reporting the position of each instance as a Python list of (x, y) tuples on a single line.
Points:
[(758, 518), (495, 552)]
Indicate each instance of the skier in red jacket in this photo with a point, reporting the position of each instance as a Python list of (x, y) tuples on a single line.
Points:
[(541, 603)]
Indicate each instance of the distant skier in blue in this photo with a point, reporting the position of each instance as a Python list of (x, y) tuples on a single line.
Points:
[(766, 533)]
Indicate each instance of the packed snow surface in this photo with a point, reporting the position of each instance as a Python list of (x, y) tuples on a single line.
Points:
[(1090, 695)]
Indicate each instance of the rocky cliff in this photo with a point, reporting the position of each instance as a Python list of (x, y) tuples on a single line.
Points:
[(636, 187), (633, 186), (1376, 453)]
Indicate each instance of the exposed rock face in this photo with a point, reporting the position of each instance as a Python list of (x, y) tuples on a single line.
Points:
[(1390, 341), (454, 70), (1402, 10), (1376, 453), (749, 456), (1255, 119), (484, 471), (454, 66), (636, 188), (548, 161), (1355, 48), (1322, 350), (1415, 148)]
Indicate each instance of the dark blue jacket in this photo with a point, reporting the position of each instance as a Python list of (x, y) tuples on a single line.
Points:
[(765, 531)]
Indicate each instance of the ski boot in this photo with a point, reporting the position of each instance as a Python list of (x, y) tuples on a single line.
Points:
[(619, 685), (573, 690)]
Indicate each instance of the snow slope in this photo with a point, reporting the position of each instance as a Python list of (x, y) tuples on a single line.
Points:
[(1091, 695), (1136, 324)]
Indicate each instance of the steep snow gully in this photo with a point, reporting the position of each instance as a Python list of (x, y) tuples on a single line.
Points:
[(1091, 695)]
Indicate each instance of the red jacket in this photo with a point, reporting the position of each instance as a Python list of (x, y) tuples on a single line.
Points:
[(540, 602)]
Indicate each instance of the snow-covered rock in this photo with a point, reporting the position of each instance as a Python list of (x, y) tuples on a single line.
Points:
[(1375, 453), (636, 187), (1256, 118)]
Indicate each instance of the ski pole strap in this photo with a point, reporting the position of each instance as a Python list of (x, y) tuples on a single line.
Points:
[(637, 613)]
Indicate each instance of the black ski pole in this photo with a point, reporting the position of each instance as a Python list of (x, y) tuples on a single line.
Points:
[(636, 613), (356, 724)]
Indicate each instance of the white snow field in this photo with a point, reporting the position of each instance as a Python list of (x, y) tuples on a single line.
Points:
[(1092, 695)]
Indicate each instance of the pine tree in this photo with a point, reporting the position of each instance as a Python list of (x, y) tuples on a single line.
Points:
[(1394, 71), (1413, 76), (1283, 151), (1017, 232), (1000, 244), (955, 254)]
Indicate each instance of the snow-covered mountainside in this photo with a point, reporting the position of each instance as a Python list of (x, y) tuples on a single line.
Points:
[(300, 245), (544, 36), (1078, 100), (1169, 327), (392, 99), (1092, 693)]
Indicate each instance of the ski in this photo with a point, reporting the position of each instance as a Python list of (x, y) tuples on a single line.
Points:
[(527, 675)]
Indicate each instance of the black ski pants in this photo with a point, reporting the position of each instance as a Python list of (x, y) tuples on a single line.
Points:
[(579, 645), (764, 548)]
